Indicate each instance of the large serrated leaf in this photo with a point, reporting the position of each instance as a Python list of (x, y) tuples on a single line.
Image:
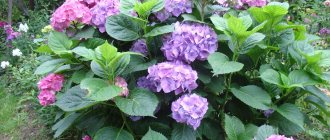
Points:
[(112, 133), (183, 132), (153, 135), (253, 96), (221, 65)]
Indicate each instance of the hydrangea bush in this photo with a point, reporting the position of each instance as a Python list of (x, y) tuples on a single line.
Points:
[(181, 70)]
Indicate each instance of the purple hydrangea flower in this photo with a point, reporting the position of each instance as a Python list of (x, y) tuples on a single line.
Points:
[(175, 8), (143, 82), (140, 46), (102, 10), (189, 109), (257, 3), (135, 118), (268, 112), (172, 76), (324, 31), (190, 41)]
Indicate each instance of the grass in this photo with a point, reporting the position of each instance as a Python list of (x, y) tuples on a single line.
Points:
[(18, 120)]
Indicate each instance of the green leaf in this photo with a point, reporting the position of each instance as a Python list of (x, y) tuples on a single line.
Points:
[(251, 42), (126, 6), (44, 49), (160, 30), (221, 65), (85, 33), (219, 22), (317, 102), (93, 43), (84, 52), (253, 96), (107, 51), (112, 133), (59, 42), (121, 65), (123, 27), (144, 9), (210, 129), (49, 66), (98, 70), (300, 78), (251, 130), (106, 93), (183, 132), (292, 113), (140, 102), (78, 76), (74, 99), (271, 76), (264, 132), (153, 135), (236, 25), (93, 85), (247, 21), (189, 17), (325, 58), (64, 123), (285, 126), (140, 66), (318, 93), (233, 127)]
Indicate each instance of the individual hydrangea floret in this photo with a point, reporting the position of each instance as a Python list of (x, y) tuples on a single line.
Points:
[(140, 46), (278, 137), (144, 82), (71, 10), (86, 138), (46, 97), (102, 10), (52, 82), (175, 8), (121, 82), (190, 41), (189, 109), (173, 76)]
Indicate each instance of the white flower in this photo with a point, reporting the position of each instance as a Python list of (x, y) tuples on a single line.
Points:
[(4, 64), (17, 52), (23, 27)]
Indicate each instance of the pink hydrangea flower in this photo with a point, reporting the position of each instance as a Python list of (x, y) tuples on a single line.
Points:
[(46, 97), (87, 138), (257, 3), (51, 82), (102, 10), (278, 137), (71, 10), (121, 82)]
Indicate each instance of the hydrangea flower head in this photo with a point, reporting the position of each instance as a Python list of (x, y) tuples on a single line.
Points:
[(11, 34), (324, 31), (121, 82), (144, 82), (70, 11), (190, 41), (140, 46), (172, 76), (46, 97), (102, 10), (51, 82), (189, 109), (2, 24), (278, 137), (175, 8)]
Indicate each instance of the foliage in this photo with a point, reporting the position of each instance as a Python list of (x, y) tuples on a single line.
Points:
[(262, 63)]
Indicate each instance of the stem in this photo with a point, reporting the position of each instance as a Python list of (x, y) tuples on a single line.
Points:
[(125, 122), (203, 10), (287, 92)]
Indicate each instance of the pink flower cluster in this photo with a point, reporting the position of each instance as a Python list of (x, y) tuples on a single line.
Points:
[(121, 82), (70, 11), (278, 137), (48, 86), (87, 138)]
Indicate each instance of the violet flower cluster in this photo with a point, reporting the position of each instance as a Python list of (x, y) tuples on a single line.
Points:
[(144, 82), (173, 76), (48, 87), (11, 34), (70, 11), (102, 10), (190, 41), (278, 137), (121, 82), (175, 8), (324, 31), (268, 112), (189, 109), (140, 46)]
